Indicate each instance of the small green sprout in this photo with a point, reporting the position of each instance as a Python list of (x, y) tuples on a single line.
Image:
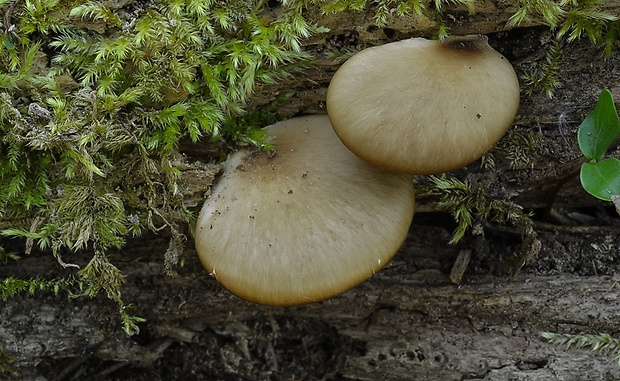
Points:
[(599, 176)]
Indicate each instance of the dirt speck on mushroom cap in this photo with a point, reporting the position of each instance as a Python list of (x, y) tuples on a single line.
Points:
[(431, 108), (304, 225)]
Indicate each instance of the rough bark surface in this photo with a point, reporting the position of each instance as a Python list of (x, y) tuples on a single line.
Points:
[(409, 322)]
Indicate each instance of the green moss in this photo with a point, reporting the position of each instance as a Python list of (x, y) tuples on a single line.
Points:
[(6, 368), (521, 148), (471, 205), (570, 20), (597, 342), (9, 287), (573, 18), (124, 87), (542, 75), (382, 8), (548, 11)]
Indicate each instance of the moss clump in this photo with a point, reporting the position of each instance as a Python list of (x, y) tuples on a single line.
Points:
[(471, 205), (570, 20), (6, 368), (384, 8), (124, 86), (596, 342), (521, 148)]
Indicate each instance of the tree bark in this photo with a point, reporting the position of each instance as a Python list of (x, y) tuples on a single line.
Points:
[(409, 322)]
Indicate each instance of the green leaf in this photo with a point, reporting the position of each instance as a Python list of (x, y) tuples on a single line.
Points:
[(601, 179), (600, 128)]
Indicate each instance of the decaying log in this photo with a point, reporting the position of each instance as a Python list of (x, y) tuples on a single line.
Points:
[(409, 322)]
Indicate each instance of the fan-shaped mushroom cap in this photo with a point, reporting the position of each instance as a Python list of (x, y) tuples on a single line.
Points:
[(304, 225), (423, 107)]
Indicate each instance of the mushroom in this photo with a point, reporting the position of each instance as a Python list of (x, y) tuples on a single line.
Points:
[(423, 107), (305, 224)]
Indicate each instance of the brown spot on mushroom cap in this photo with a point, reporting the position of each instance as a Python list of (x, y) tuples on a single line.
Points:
[(423, 107), (304, 225)]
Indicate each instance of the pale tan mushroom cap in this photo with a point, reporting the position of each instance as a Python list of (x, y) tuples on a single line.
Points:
[(307, 224), (423, 107)]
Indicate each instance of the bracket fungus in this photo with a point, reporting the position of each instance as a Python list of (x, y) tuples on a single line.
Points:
[(304, 225), (423, 107)]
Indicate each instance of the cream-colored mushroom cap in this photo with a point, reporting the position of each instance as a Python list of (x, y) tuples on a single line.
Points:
[(304, 225), (423, 107)]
